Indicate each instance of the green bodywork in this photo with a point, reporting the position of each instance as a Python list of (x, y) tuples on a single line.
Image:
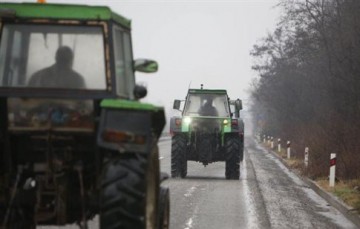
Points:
[(65, 12), (225, 128), (129, 105)]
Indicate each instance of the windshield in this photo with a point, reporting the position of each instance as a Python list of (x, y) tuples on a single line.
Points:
[(52, 56), (207, 105)]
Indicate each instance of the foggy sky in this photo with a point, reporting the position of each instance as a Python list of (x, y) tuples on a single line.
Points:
[(195, 42)]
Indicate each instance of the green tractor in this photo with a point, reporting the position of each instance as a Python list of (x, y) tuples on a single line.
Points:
[(208, 131), (75, 142)]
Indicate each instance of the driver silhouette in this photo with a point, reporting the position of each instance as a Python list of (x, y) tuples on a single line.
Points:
[(60, 74), (207, 109)]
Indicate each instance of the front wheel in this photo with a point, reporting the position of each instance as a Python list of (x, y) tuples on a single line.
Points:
[(130, 191), (178, 156)]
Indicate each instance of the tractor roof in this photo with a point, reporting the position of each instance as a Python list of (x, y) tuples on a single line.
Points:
[(64, 11), (207, 91)]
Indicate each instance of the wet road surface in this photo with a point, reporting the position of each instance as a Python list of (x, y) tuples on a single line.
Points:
[(267, 195)]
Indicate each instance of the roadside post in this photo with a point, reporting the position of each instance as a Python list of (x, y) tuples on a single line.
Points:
[(332, 169), (279, 145), (288, 150), (268, 140), (306, 158), (264, 138), (272, 143)]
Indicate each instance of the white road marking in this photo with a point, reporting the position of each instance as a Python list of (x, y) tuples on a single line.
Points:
[(190, 191), (251, 223), (189, 224)]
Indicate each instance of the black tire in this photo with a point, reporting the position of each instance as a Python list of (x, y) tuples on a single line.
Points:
[(130, 191), (178, 156), (164, 208), (232, 157)]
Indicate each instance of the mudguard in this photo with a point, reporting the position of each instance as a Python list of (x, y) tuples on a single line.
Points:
[(129, 126)]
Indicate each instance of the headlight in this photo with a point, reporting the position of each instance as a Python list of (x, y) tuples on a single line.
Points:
[(187, 120), (225, 121)]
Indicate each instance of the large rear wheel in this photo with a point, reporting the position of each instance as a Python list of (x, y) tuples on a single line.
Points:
[(130, 192), (178, 156), (232, 157)]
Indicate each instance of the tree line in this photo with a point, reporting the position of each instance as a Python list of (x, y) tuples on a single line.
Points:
[(308, 89)]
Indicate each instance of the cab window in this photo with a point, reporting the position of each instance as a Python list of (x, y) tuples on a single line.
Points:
[(52, 56)]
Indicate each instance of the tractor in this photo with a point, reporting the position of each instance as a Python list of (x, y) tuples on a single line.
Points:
[(75, 140), (207, 131)]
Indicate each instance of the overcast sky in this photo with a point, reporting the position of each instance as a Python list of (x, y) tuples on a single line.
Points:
[(195, 42)]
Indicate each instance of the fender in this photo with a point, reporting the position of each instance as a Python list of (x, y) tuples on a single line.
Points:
[(129, 126)]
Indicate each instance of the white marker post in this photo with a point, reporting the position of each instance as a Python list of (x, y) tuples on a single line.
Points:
[(279, 145), (288, 150), (272, 143), (268, 140), (264, 138), (332, 169), (306, 158)]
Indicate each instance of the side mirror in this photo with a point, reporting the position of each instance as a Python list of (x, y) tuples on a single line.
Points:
[(238, 104), (177, 104), (140, 92), (145, 65)]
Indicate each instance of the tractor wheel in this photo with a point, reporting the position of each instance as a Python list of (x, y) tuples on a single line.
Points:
[(178, 156), (164, 208), (130, 192), (232, 157)]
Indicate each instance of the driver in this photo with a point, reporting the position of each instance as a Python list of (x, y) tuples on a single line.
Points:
[(60, 74), (207, 109)]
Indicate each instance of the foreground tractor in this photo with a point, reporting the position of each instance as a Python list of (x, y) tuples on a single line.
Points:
[(207, 132), (75, 142)]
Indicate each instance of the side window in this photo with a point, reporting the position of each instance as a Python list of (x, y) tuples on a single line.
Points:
[(125, 80), (129, 71), (3, 51), (10, 58)]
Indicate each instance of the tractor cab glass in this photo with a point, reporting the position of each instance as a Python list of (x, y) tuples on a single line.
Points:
[(48, 56), (207, 105)]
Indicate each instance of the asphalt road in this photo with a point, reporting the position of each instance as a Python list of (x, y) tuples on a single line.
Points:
[(267, 195)]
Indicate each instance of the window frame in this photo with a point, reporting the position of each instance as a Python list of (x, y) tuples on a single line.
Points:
[(129, 85), (226, 100), (64, 92)]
